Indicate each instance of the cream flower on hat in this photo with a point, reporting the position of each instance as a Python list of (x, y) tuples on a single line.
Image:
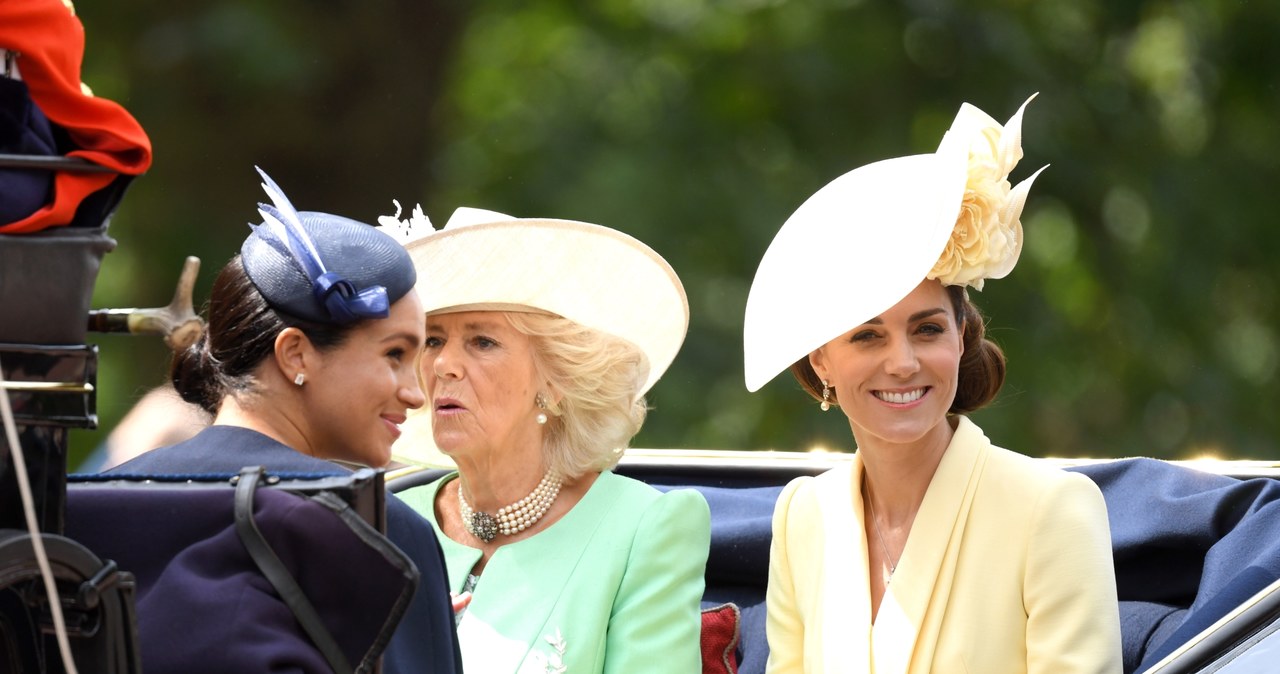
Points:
[(987, 238)]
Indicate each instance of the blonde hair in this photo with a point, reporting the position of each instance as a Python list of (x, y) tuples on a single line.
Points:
[(594, 402)]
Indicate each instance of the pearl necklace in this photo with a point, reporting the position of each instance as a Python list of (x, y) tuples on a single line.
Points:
[(514, 518)]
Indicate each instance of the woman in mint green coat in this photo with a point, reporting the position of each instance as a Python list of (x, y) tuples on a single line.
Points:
[(542, 338)]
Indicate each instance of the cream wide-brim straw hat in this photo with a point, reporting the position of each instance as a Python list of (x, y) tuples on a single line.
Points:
[(865, 240), (593, 275)]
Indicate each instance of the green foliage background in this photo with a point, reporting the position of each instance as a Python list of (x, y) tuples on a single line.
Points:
[(1141, 319)]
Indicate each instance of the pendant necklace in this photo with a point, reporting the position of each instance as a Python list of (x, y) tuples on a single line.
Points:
[(875, 523)]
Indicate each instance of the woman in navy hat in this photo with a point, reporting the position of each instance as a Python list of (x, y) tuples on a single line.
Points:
[(934, 550), (309, 358)]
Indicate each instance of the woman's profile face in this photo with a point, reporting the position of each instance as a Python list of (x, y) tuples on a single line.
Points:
[(895, 375), (362, 390), (481, 381)]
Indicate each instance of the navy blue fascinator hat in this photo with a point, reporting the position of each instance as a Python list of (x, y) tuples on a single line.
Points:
[(323, 268)]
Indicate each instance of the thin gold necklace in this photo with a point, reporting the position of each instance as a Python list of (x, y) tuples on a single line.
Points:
[(893, 564)]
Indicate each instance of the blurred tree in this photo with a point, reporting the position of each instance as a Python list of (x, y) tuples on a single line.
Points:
[(1141, 320), (333, 99)]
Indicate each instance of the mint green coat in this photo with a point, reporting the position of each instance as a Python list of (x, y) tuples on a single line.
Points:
[(613, 586)]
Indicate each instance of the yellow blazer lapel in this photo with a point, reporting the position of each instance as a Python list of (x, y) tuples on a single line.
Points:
[(892, 637), (509, 616), (846, 602), (922, 583)]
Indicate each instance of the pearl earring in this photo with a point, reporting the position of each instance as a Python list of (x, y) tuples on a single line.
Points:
[(826, 396), (300, 379), (541, 401)]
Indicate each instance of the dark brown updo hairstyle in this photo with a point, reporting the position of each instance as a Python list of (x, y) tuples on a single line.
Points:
[(240, 334), (982, 366)]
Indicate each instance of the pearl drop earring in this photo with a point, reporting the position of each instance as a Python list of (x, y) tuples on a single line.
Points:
[(541, 401)]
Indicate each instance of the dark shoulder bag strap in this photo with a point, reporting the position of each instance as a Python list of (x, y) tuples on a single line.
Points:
[(278, 575)]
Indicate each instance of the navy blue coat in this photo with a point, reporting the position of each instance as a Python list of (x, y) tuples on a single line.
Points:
[(426, 640)]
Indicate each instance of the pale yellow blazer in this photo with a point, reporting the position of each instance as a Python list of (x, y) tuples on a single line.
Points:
[(1007, 569)]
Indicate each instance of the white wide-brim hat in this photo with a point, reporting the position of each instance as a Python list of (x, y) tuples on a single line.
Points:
[(851, 251), (593, 275), (865, 240)]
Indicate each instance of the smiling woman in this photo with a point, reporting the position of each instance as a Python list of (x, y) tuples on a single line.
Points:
[(309, 358), (903, 360), (933, 550)]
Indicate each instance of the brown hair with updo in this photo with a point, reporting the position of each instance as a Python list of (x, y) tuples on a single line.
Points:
[(982, 366), (239, 335)]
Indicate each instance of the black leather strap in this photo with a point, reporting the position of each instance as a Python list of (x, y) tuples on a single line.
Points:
[(278, 575)]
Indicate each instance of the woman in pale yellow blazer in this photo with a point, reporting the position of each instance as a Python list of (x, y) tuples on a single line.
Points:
[(935, 550)]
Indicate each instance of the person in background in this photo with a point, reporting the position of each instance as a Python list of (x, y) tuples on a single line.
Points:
[(934, 550), (542, 338), (160, 418), (309, 358)]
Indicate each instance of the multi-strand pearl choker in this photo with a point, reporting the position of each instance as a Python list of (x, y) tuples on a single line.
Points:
[(514, 518)]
